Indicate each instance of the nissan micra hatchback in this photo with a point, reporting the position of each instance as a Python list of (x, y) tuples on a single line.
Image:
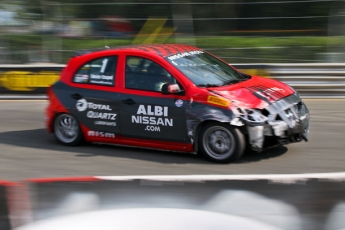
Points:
[(172, 97)]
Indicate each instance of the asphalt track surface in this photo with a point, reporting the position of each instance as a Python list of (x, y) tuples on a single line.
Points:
[(28, 151)]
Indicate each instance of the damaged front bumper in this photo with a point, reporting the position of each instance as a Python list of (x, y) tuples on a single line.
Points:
[(287, 120)]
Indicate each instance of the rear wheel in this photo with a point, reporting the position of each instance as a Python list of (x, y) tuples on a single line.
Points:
[(221, 143), (67, 130)]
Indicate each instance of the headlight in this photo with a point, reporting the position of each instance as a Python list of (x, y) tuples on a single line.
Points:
[(251, 116)]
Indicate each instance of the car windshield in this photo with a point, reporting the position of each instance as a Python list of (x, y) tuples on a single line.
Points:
[(204, 70)]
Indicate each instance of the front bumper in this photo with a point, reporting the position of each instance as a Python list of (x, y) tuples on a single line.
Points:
[(287, 120)]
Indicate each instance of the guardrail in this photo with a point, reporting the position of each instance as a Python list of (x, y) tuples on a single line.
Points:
[(321, 80)]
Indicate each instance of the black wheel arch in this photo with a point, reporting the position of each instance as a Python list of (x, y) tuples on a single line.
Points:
[(200, 126)]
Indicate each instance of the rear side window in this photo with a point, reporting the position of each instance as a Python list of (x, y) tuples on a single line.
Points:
[(99, 71)]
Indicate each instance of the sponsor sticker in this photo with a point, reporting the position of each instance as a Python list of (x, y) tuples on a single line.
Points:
[(81, 78), (101, 79), (218, 101), (153, 116), (81, 105), (100, 134), (178, 103), (104, 118), (184, 54)]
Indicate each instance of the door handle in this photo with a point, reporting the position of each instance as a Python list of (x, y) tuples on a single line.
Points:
[(76, 96), (129, 101)]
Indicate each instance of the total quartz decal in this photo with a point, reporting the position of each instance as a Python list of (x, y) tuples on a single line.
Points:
[(152, 116), (104, 118)]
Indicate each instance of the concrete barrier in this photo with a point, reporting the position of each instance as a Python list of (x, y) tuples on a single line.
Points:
[(289, 202), (14, 205)]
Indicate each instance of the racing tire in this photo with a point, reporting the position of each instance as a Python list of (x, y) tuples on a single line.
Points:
[(221, 143), (67, 130)]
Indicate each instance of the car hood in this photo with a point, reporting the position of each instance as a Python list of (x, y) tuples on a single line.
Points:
[(257, 92)]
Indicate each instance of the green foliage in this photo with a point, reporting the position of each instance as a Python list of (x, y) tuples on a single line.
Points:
[(232, 49)]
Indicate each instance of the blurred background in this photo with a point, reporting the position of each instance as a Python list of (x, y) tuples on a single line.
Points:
[(239, 31), (300, 42)]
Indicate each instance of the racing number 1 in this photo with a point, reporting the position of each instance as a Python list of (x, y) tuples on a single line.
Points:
[(104, 64)]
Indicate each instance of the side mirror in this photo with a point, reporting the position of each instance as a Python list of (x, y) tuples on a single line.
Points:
[(169, 88)]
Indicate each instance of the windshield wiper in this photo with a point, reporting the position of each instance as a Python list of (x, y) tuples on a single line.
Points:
[(208, 85), (246, 76)]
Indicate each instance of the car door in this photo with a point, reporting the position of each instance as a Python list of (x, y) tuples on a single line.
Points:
[(95, 100), (144, 111)]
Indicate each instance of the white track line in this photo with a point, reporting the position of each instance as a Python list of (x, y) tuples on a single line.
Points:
[(283, 178)]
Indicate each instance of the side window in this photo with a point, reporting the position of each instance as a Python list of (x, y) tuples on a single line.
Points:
[(100, 71), (144, 74)]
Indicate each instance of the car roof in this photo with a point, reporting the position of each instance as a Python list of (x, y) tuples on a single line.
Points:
[(162, 50)]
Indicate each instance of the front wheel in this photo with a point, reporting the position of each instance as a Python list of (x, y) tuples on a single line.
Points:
[(221, 143), (67, 130)]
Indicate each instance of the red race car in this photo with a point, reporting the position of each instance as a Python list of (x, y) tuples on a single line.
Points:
[(172, 97)]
